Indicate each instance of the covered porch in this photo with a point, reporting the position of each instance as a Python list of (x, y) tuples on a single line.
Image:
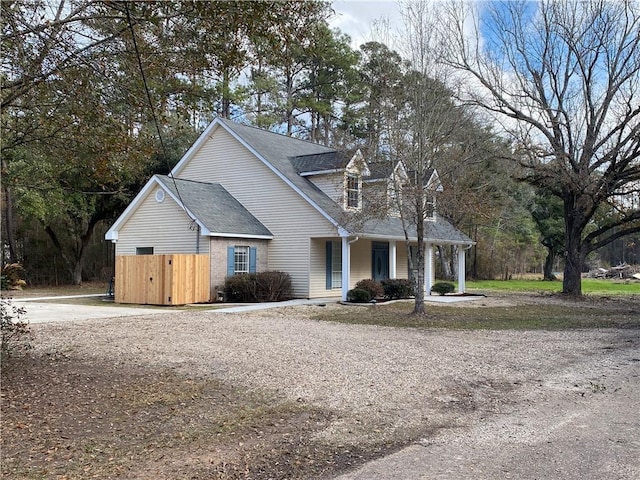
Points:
[(350, 259)]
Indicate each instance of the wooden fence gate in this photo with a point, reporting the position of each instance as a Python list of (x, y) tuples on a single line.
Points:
[(175, 279)]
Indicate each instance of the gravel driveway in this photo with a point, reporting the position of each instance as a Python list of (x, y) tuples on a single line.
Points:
[(481, 404)]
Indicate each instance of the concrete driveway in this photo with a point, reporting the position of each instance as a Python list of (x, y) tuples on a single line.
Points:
[(40, 310)]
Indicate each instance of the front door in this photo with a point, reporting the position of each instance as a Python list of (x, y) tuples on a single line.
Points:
[(380, 260)]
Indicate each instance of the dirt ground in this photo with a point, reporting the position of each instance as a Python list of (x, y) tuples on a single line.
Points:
[(279, 394)]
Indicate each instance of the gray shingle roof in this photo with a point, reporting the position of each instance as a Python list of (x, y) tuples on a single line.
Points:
[(380, 170), (440, 231), (291, 156), (320, 162), (215, 208)]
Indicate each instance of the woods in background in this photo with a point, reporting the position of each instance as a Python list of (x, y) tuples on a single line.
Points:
[(97, 96)]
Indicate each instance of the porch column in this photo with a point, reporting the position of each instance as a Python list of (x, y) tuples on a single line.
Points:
[(345, 267), (392, 259), (428, 268), (461, 269)]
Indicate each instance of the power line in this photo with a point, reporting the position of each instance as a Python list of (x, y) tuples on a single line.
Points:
[(151, 107)]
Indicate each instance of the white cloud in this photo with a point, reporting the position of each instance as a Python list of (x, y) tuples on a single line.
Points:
[(358, 18)]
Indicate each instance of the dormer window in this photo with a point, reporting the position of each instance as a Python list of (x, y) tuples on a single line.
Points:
[(430, 206), (353, 192)]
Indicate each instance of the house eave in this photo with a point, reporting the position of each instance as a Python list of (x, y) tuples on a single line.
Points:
[(437, 241), (240, 235), (112, 233), (322, 172)]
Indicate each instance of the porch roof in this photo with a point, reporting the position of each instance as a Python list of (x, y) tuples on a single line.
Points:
[(438, 232)]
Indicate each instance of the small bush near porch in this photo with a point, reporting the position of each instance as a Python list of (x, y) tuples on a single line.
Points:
[(443, 288), (397, 288), (374, 288)]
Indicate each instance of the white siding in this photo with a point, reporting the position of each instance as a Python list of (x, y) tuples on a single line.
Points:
[(163, 226), (222, 159)]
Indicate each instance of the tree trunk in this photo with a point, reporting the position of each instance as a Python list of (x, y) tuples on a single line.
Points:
[(453, 262), (548, 265), (77, 272), (75, 262), (289, 106), (419, 306), (9, 226), (226, 95), (573, 258), (445, 264)]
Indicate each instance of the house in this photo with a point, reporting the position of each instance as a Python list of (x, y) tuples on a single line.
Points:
[(254, 200)]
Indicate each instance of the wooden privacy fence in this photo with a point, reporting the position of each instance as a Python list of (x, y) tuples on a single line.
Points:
[(175, 279)]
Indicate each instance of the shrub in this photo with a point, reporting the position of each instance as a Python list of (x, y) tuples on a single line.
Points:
[(270, 286), (240, 288), (372, 286), (16, 336), (395, 288), (273, 286), (358, 295), (443, 287), (12, 274)]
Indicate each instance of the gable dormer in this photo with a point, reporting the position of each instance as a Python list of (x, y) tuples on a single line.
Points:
[(388, 183), (384, 186), (355, 170), (337, 174), (432, 186)]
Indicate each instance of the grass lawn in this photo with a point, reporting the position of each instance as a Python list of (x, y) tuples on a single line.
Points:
[(537, 315), (590, 286)]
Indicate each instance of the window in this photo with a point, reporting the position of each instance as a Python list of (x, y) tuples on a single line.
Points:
[(353, 191), (144, 250), (334, 265), (241, 259), (430, 206)]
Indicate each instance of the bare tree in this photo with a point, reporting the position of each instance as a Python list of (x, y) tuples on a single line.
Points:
[(564, 78), (427, 124)]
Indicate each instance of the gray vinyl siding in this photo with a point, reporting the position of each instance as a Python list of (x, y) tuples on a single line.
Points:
[(275, 204), (331, 184), (163, 226), (360, 261), (318, 268), (402, 261)]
